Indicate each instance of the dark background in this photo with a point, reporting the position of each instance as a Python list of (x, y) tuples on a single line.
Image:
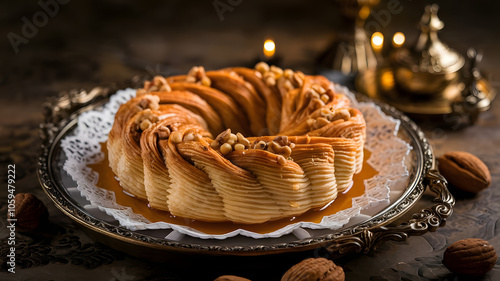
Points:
[(88, 43)]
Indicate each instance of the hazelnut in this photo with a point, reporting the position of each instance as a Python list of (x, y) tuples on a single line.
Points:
[(243, 140), (314, 269), (288, 73), (262, 67), (176, 137), (288, 85), (205, 81), (164, 133), (145, 124), (260, 145), (30, 212), (298, 79), (470, 256), (162, 83), (222, 138), (276, 70), (464, 171), (281, 160), (325, 98), (226, 148), (239, 147)]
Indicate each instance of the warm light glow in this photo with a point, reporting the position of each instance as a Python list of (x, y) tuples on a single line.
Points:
[(377, 41), (269, 48), (387, 80), (364, 12), (398, 39)]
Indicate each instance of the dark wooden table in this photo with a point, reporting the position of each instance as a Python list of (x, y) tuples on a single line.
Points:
[(86, 43)]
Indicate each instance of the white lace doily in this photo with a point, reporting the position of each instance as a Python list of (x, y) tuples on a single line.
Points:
[(388, 157)]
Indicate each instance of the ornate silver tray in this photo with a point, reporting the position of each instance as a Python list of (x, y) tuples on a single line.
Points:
[(357, 237)]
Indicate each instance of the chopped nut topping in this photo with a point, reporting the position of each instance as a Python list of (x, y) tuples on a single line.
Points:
[(281, 160), (149, 102), (230, 142), (145, 119), (269, 73), (288, 85), (325, 98), (344, 114), (281, 140), (276, 70), (205, 81), (317, 103), (280, 145), (145, 124), (310, 122), (274, 147), (176, 137), (260, 145), (163, 132), (215, 144), (221, 139), (321, 122), (262, 67), (318, 88), (242, 140), (298, 79), (159, 83), (288, 73), (226, 148), (313, 94), (270, 81), (197, 75), (188, 137), (239, 147)]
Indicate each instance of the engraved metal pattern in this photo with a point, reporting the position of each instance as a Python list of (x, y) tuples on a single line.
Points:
[(362, 238)]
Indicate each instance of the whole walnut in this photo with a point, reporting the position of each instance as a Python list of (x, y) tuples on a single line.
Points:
[(464, 171), (30, 212), (470, 256), (314, 269)]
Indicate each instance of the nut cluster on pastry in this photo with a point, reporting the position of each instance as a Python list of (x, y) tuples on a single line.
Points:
[(237, 144)]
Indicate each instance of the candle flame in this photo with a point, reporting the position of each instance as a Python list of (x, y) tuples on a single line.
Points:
[(398, 39), (377, 41), (269, 48)]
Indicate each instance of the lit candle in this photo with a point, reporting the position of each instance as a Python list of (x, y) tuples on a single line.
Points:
[(398, 39), (269, 48), (377, 41)]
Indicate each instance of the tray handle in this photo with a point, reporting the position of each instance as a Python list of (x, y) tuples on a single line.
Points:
[(428, 219)]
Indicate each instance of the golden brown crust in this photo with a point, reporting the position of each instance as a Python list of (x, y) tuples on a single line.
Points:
[(267, 93), (170, 145), (225, 106), (193, 103), (245, 95)]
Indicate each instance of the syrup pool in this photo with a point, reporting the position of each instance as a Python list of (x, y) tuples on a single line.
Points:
[(108, 181)]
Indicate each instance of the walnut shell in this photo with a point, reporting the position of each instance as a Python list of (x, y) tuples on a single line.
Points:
[(470, 256), (231, 278), (314, 269), (464, 171), (30, 212)]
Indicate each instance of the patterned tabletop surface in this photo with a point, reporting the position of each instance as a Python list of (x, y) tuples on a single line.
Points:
[(60, 45)]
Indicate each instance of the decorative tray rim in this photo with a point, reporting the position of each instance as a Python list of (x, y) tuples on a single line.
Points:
[(60, 116)]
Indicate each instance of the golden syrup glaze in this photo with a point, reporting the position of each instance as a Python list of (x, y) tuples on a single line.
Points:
[(107, 180)]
